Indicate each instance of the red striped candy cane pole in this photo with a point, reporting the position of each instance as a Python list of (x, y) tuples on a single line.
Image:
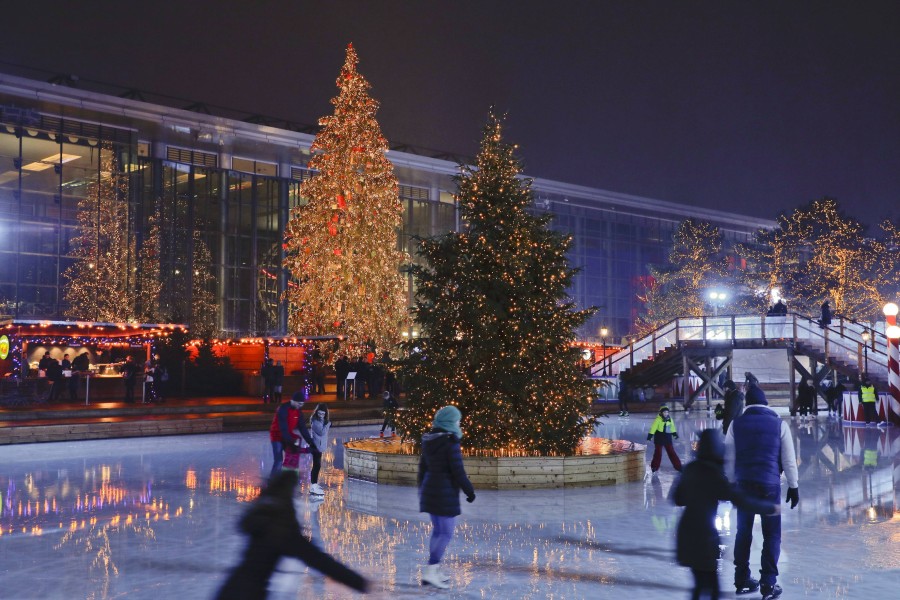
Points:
[(893, 348)]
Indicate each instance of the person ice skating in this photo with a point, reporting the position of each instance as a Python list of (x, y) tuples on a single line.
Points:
[(661, 432), (271, 524), (734, 405), (834, 395), (806, 398), (758, 447), (390, 407), (440, 479), (319, 426), (288, 429), (624, 391), (867, 398), (700, 489)]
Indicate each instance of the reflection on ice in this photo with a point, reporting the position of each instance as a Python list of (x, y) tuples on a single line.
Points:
[(155, 518)]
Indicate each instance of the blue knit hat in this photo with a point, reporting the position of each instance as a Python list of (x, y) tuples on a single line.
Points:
[(448, 419), (754, 395)]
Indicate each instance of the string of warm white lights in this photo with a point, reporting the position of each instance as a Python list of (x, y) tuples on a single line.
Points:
[(497, 324), (341, 247)]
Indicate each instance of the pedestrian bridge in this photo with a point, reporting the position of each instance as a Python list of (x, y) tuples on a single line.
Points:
[(704, 346)]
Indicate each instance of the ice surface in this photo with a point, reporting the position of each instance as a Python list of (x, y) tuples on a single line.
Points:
[(155, 518)]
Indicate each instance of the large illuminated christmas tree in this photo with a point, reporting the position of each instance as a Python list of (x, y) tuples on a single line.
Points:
[(102, 281), (341, 247), (496, 320)]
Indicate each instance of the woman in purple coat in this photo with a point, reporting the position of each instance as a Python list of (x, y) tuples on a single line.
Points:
[(441, 477)]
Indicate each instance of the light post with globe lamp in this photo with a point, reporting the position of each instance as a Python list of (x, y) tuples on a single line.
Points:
[(866, 336), (603, 333), (716, 299)]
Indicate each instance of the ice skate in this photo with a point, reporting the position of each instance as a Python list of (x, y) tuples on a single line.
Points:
[(747, 587), (770, 592), (316, 489), (432, 576)]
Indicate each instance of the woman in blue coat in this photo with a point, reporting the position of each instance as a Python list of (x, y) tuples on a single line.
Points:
[(441, 477)]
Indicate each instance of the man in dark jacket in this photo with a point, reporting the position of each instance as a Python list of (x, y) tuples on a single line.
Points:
[(341, 368), (734, 404), (129, 374), (758, 446), (441, 477)]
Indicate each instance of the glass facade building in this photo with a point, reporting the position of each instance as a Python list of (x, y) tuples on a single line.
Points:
[(229, 185)]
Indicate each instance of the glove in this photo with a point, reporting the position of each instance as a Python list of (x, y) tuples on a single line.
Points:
[(649, 436), (793, 496), (675, 435), (470, 499)]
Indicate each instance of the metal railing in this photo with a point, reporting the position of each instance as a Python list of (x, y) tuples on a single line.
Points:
[(842, 340)]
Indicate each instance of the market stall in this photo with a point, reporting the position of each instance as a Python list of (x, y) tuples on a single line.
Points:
[(88, 356)]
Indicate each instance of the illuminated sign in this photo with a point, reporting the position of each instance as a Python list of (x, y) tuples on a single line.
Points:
[(4, 347)]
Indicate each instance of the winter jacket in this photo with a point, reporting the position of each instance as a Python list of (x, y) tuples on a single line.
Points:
[(759, 446), (441, 474), (699, 490), (806, 395), (287, 419), (662, 430), (734, 406), (319, 429)]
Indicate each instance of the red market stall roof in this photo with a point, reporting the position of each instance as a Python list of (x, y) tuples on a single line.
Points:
[(86, 331)]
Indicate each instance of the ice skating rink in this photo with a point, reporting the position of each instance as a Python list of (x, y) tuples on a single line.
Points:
[(155, 518)]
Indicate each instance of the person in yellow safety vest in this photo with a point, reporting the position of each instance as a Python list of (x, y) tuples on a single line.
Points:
[(661, 432), (867, 398)]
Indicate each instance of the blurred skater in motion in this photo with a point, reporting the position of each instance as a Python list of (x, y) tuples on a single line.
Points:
[(661, 432), (700, 489), (441, 477), (271, 523)]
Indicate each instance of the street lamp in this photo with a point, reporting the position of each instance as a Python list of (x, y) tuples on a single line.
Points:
[(716, 299), (866, 336), (603, 333)]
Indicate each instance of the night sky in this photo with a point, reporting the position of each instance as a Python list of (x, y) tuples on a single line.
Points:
[(751, 107)]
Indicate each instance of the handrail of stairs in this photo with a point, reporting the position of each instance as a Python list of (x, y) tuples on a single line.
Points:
[(841, 340)]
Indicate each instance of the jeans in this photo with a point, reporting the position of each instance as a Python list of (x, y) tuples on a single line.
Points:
[(441, 534), (771, 530), (277, 456)]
